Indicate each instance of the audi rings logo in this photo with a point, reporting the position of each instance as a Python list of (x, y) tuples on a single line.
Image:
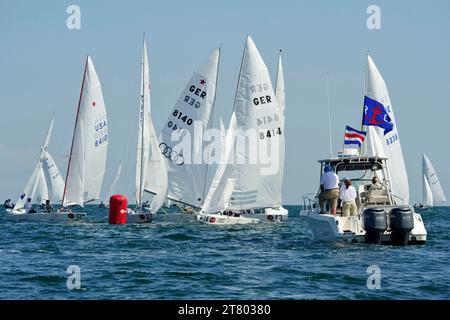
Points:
[(170, 154)]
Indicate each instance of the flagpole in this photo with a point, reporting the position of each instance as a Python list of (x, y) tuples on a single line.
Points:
[(365, 75)]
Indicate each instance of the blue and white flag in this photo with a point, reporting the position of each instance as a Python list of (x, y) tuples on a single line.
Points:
[(375, 114)]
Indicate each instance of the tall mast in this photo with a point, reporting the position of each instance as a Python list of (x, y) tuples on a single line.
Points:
[(212, 117), (366, 75), (329, 114), (74, 129), (239, 81), (141, 178)]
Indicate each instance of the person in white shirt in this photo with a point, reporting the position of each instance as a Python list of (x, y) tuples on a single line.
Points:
[(348, 196), (29, 207), (329, 187)]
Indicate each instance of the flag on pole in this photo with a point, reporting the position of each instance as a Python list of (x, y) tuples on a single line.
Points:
[(376, 114), (353, 136)]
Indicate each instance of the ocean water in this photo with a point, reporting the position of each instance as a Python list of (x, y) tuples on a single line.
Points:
[(195, 261)]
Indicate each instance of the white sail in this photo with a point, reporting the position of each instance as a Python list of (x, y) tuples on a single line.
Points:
[(155, 173), (53, 178), (112, 187), (256, 117), (280, 95), (87, 162), (427, 195), (219, 193), (40, 191), (182, 136), (36, 187), (389, 144), (433, 180), (142, 155)]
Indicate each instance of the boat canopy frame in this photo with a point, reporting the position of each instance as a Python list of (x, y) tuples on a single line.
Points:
[(360, 163)]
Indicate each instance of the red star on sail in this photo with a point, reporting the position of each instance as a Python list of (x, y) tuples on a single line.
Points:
[(202, 82), (93, 104)]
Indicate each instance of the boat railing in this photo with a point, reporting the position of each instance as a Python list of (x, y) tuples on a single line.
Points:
[(309, 201)]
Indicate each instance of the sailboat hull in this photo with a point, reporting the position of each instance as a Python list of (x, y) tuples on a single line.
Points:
[(222, 219), (21, 215), (270, 215)]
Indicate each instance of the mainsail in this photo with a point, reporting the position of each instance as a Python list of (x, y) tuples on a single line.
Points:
[(151, 172), (36, 187), (255, 130), (182, 136), (432, 179), (381, 144), (87, 161)]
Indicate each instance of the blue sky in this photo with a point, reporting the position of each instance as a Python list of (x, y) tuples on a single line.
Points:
[(41, 65)]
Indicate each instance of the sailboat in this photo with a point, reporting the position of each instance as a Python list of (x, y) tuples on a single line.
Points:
[(381, 156), (87, 160), (432, 189), (44, 184), (182, 144), (150, 167), (112, 187), (244, 188)]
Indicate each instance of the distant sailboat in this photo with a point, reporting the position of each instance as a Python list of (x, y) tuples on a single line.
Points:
[(44, 184), (191, 117), (87, 160), (150, 165), (432, 189), (112, 187), (242, 186)]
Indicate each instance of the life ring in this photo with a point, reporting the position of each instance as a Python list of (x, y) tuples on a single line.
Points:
[(212, 220), (71, 216), (270, 217)]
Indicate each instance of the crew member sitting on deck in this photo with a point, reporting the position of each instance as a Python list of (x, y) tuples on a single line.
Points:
[(376, 184), (329, 189), (348, 196)]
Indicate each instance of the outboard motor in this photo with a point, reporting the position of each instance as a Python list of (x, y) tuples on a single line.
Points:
[(375, 224), (402, 222)]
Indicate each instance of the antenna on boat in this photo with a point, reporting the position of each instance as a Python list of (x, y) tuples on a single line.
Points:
[(365, 76), (329, 113)]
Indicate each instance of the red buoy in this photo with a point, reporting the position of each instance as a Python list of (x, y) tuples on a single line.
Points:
[(118, 209)]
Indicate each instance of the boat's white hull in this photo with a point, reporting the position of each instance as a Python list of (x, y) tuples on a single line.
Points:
[(270, 215), (176, 217), (139, 217), (221, 219), (326, 227), (20, 214)]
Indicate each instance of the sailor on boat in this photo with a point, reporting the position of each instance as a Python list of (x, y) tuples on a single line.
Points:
[(376, 184), (348, 196), (329, 189), (8, 205), (48, 207), (29, 207)]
